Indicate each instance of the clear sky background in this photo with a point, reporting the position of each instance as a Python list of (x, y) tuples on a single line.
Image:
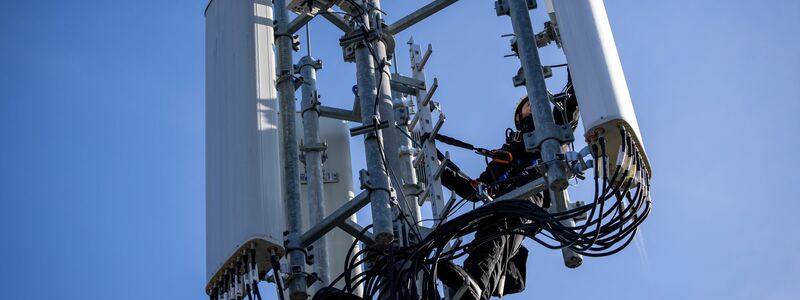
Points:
[(102, 143)]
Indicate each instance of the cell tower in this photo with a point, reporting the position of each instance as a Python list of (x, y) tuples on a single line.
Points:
[(281, 203)]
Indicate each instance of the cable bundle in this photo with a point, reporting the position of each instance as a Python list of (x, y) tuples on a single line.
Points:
[(621, 203)]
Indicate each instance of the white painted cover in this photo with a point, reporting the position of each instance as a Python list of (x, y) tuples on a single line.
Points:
[(336, 134), (243, 181), (596, 69)]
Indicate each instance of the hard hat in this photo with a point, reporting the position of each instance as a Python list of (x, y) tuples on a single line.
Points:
[(523, 117)]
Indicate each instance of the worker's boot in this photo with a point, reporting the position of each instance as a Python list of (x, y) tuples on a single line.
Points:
[(469, 290), (454, 277)]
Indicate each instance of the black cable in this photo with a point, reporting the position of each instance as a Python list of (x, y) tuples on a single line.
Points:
[(276, 274), (605, 231)]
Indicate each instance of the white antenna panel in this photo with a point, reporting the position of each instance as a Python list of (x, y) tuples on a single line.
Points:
[(244, 206), (594, 63)]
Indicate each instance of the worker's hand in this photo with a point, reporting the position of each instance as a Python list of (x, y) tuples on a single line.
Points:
[(475, 183)]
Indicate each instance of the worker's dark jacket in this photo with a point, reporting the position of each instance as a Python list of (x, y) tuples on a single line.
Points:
[(501, 262), (503, 175)]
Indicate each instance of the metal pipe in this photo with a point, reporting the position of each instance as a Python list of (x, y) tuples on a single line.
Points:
[(542, 114), (355, 230), (313, 163), (339, 114), (296, 282), (561, 200), (303, 19), (537, 92), (337, 21), (419, 15), (340, 215), (525, 191), (299, 22), (390, 137), (378, 176), (408, 176)]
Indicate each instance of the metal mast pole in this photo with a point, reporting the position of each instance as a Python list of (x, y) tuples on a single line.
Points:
[(409, 182), (405, 178), (378, 181), (296, 282), (390, 136), (313, 149), (547, 133)]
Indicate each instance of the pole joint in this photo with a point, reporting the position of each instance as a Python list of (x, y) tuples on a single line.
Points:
[(502, 8)]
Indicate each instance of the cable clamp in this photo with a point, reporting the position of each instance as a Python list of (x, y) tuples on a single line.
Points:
[(285, 75), (314, 105), (363, 178), (372, 126)]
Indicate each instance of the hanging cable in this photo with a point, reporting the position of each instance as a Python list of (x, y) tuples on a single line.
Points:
[(606, 230)]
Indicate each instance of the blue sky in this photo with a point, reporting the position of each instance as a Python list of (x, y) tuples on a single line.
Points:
[(102, 143)]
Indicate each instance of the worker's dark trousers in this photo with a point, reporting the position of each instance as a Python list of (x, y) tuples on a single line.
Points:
[(498, 265)]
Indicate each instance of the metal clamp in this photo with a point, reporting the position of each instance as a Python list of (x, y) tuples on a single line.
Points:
[(314, 105), (519, 79), (533, 140), (548, 35), (316, 64), (327, 177), (311, 278), (355, 38), (578, 161), (316, 147), (412, 189), (410, 151), (285, 75), (502, 9), (576, 205), (295, 39), (363, 178)]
